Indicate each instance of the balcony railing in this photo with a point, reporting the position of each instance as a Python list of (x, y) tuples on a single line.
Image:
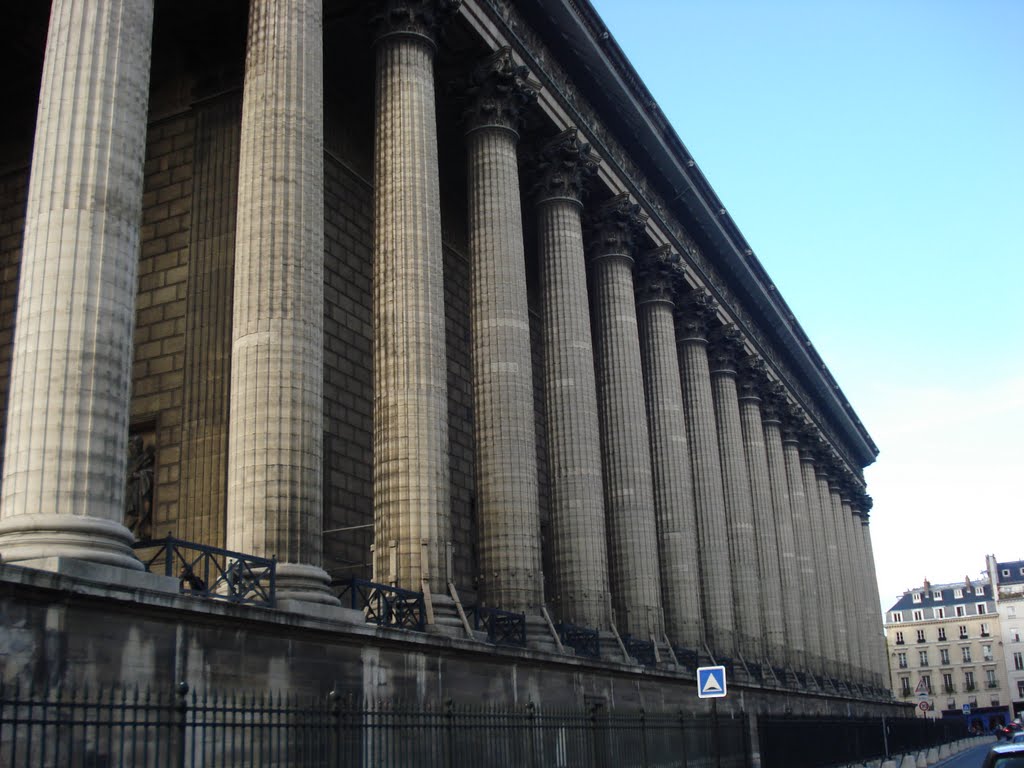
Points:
[(383, 604), (502, 627), (213, 573), (993, 684), (584, 641), (641, 650)]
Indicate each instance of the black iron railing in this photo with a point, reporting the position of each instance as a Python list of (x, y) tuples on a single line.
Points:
[(502, 627), (213, 573), (183, 729), (688, 657), (584, 641), (383, 604), (641, 650)]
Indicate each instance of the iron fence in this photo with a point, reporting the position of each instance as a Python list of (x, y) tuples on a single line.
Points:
[(584, 641), (803, 742), (183, 729), (641, 650), (502, 627), (383, 604), (213, 573)]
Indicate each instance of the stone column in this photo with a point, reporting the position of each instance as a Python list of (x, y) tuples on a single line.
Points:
[(807, 565), (822, 566), (67, 424), (670, 452), (879, 648), (833, 572), (739, 511), (794, 597), (412, 519), (506, 444), (751, 383), (696, 314), (579, 547), (275, 444), (628, 486), (859, 623), (846, 598)]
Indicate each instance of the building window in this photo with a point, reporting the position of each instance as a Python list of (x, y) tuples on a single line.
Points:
[(1018, 660), (958, 593), (969, 681), (942, 633), (984, 629), (923, 656), (1011, 611), (947, 682), (1005, 571), (918, 614), (901, 659), (990, 678), (905, 686), (917, 597), (937, 594), (940, 613), (1020, 689), (1014, 635), (995, 701), (965, 651), (920, 635), (981, 609), (897, 617), (986, 652), (980, 591), (963, 632), (899, 638), (1022, 571), (943, 655), (927, 681), (961, 611)]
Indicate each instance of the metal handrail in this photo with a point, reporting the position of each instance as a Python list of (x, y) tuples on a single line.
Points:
[(383, 604), (215, 573), (584, 641), (502, 627)]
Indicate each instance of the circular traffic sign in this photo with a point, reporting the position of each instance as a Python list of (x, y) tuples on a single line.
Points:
[(924, 706)]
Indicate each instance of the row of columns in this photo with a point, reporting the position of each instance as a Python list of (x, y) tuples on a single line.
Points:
[(679, 487)]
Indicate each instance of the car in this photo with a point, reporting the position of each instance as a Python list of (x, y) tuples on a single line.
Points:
[(1017, 738), (1008, 730), (1005, 756)]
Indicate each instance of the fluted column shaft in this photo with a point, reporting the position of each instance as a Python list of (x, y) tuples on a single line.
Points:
[(823, 565), (275, 452), (506, 448), (858, 586), (746, 589), (628, 485), (845, 590), (709, 495), (579, 546), (67, 424), (793, 597), (412, 519), (881, 653), (764, 523), (832, 576), (811, 546), (673, 482)]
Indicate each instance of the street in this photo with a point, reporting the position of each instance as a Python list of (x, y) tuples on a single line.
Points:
[(969, 758)]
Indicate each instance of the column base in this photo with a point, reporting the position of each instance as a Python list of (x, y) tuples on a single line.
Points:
[(36, 539), (300, 583), (111, 576)]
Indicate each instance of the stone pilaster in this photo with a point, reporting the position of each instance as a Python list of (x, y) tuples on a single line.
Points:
[(751, 382), (793, 596), (579, 546), (822, 595), (67, 425), (628, 486), (739, 511), (503, 415), (411, 491), (674, 505), (275, 444), (696, 313), (833, 574)]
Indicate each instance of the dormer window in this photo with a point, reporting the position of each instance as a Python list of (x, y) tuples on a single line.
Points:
[(937, 594), (1006, 572), (917, 597), (982, 609), (918, 614), (897, 617), (958, 593), (980, 591)]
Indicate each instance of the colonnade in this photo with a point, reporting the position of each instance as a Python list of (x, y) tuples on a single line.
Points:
[(692, 501)]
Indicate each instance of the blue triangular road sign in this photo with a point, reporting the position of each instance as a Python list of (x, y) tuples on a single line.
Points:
[(710, 682)]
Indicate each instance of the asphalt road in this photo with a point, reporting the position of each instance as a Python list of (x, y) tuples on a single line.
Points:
[(969, 758)]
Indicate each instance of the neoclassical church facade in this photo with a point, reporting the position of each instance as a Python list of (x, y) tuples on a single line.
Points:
[(426, 293)]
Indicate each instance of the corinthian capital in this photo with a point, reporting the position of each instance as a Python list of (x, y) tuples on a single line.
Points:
[(726, 349), (753, 378), (564, 165), (416, 18), (499, 90), (615, 228), (657, 273)]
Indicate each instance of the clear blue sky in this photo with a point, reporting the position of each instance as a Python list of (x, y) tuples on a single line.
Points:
[(871, 153)]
